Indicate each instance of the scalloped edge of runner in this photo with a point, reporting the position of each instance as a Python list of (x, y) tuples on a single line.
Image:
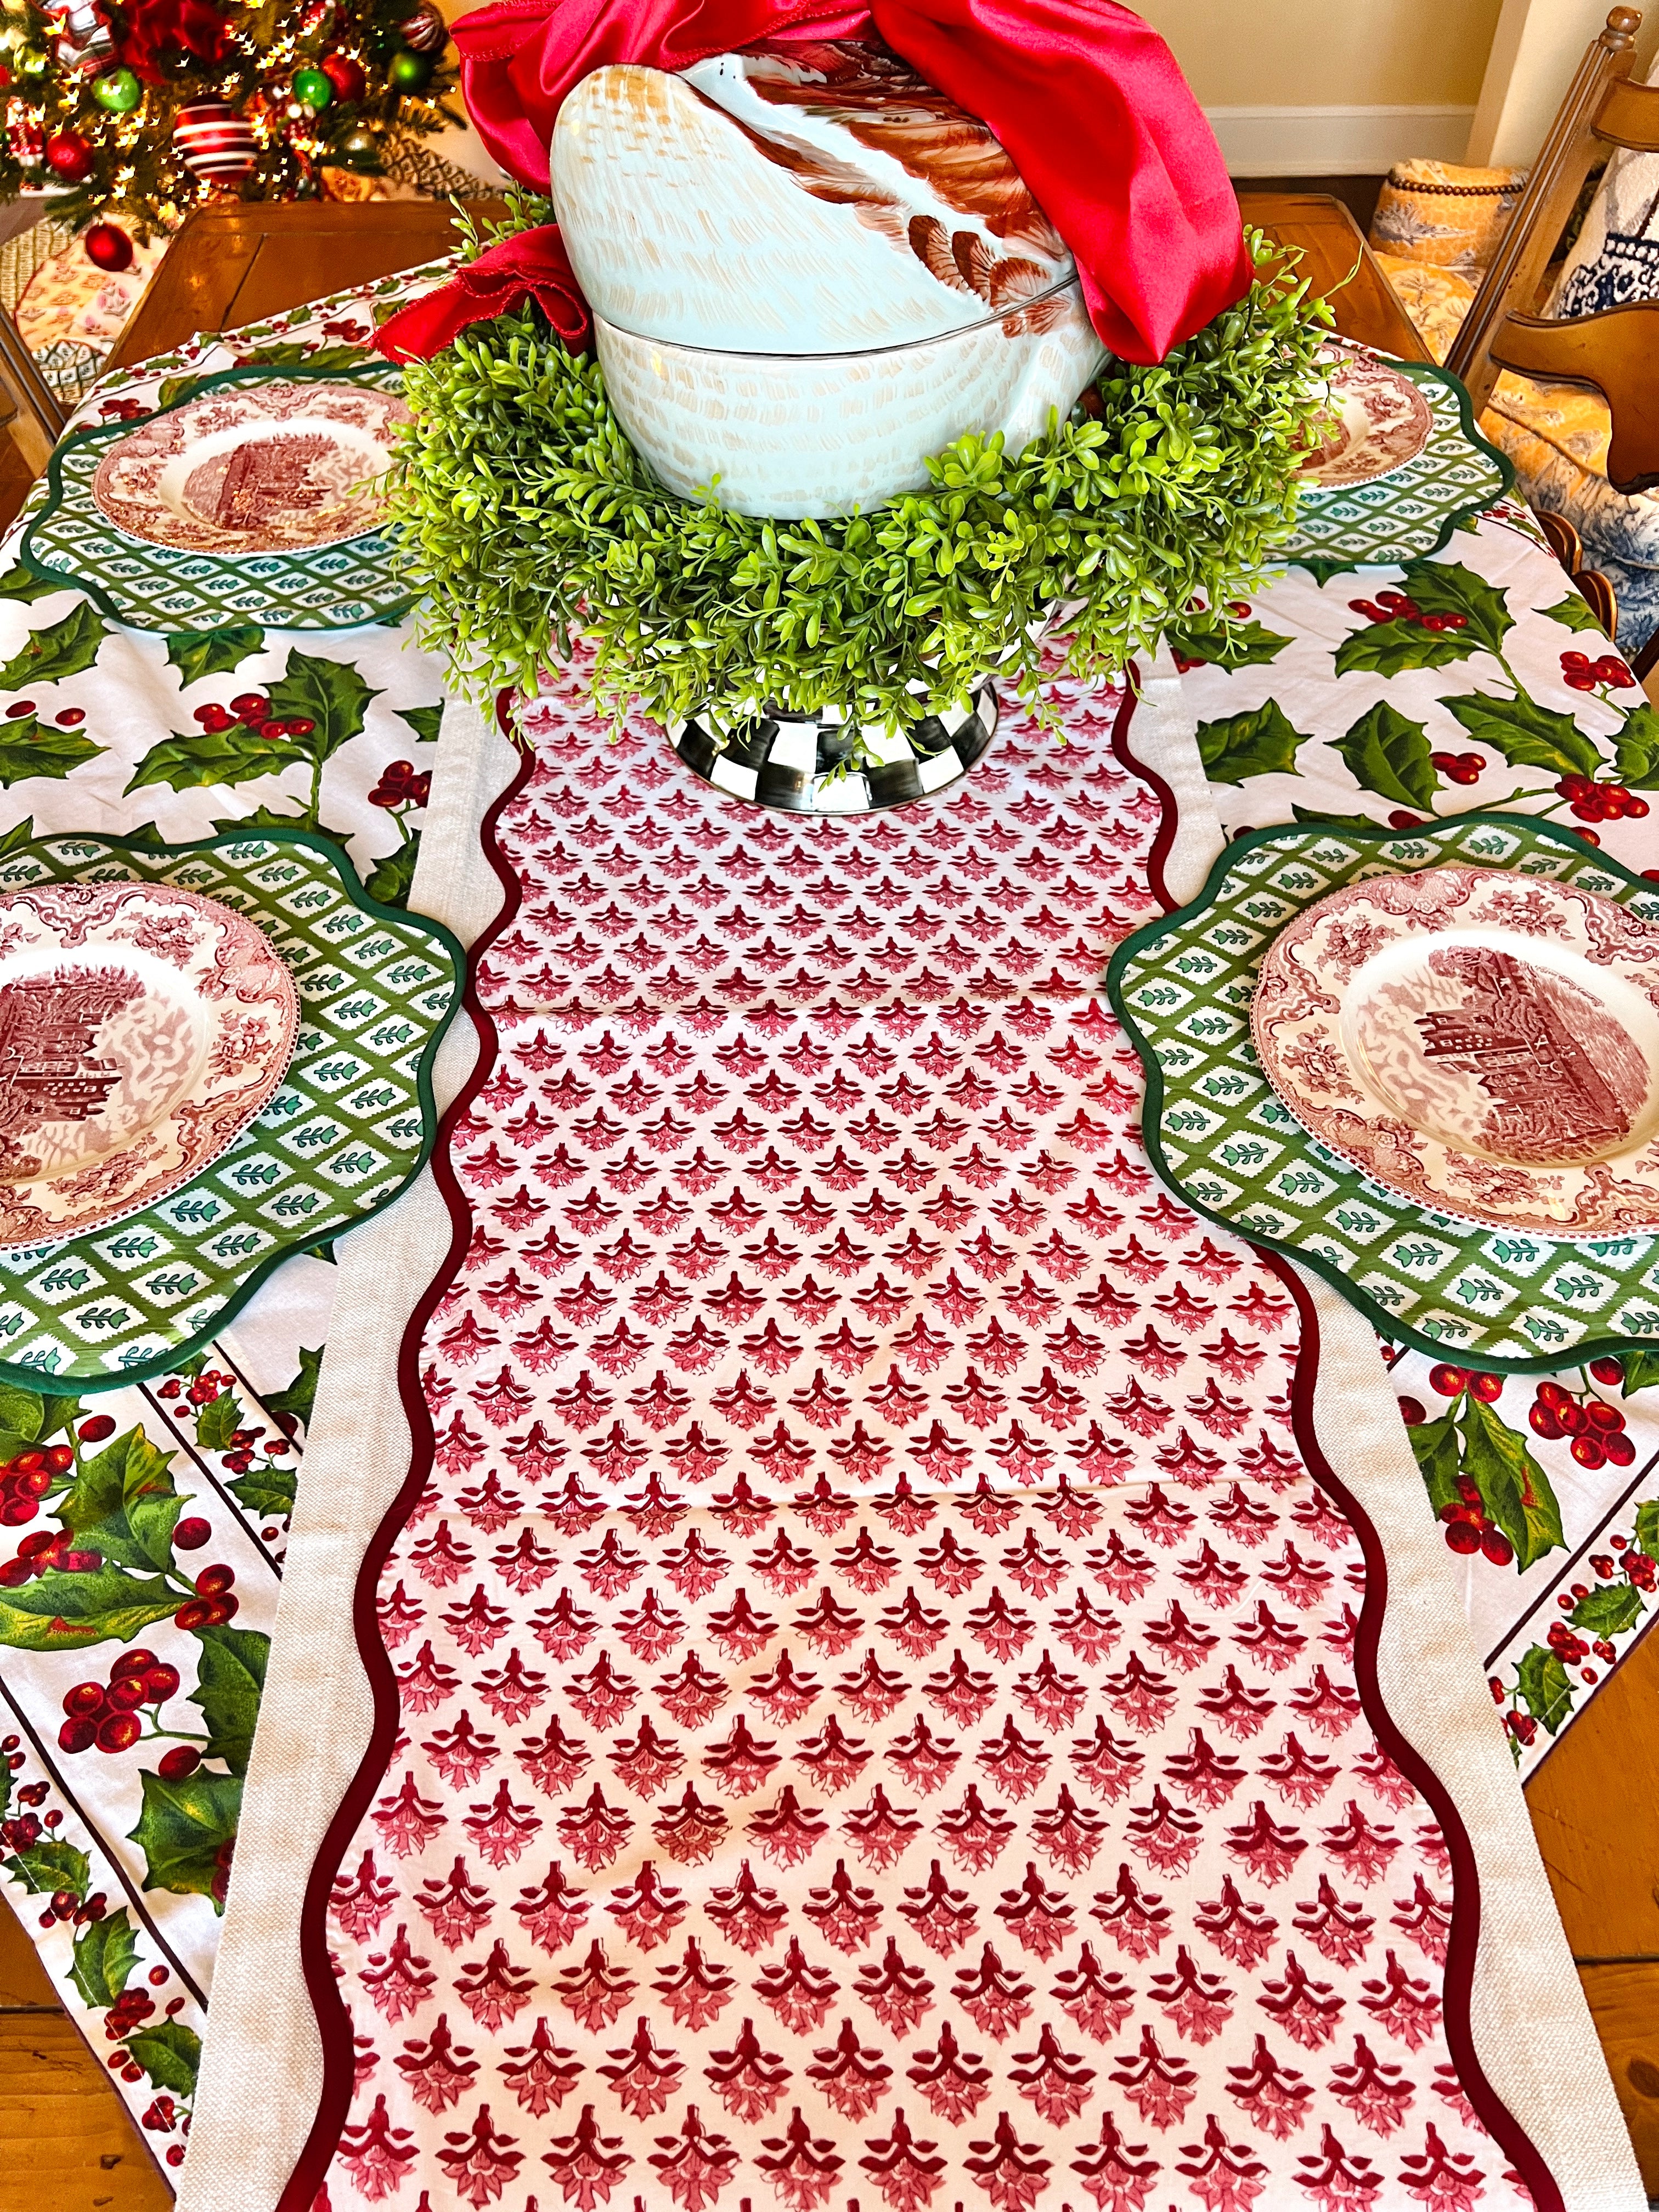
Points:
[(333, 2023), (1464, 1940)]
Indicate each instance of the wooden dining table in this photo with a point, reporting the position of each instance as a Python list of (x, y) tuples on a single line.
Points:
[(1595, 1803)]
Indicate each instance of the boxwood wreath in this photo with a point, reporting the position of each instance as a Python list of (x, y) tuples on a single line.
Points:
[(521, 512)]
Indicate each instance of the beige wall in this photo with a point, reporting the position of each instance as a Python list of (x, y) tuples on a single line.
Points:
[(1298, 53)]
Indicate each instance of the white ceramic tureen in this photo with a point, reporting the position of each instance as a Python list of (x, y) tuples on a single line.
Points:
[(809, 271)]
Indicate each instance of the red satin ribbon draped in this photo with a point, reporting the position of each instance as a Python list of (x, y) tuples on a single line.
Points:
[(1087, 98), (533, 265)]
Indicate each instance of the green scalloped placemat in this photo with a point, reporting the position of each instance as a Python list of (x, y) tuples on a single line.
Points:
[(350, 1127), (1412, 513), (152, 588), (1219, 1135)]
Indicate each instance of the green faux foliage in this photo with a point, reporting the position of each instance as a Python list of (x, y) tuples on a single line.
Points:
[(522, 514)]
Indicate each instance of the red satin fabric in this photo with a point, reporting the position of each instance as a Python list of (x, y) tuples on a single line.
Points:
[(533, 265), (1087, 98)]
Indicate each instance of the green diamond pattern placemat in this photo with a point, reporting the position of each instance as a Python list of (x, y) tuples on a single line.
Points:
[(152, 587), (1413, 513), (1219, 1135), (349, 1127)]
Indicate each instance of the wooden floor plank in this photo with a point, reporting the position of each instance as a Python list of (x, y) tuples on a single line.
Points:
[(1625, 2001), (1595, 1807), (67, 2141)]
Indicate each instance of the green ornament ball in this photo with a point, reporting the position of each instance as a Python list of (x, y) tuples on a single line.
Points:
[(118, 90), (359, 150), (31, 61), (409, 71), (313, 89)]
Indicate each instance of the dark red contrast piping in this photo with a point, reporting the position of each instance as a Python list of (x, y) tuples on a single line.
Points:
[(333, 2023), (1464, 1938)]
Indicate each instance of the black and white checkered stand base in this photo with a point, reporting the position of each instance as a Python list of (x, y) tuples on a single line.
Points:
[(797, 762)]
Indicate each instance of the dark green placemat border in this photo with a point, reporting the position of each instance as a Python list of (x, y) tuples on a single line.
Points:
[(31, 1378), (1386, 1325)]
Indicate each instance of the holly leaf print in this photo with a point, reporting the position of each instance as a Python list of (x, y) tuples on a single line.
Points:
[(124, 1504), (1388, 753), (173, 389), (1446, 588), (50, 1865), (1573, 613), (105, 1953), (1333, 821), (425, 720), (297, 356), (267, 1490), (195, 653), (21, 1411), (1513, 1489), (1434, 1443), (1608, 1610), (1647, 1528), (393, 876), (1641, 1371), (29, 747), (301, 1395), (1217, 644), (1527, 734), (1542, 1686), (63, 649), (183, 1828), (218, 1421), (260, 817), (170, 2053), (191, 758), (327, 693), (19, 584), (1636, 754), (66, 1612), (1260, 742), (229, 1679), (1388, 648)]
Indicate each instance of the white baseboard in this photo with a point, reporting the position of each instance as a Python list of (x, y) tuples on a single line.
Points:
[(1316, 141)]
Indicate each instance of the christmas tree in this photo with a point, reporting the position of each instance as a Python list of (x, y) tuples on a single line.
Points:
[(136, 111)]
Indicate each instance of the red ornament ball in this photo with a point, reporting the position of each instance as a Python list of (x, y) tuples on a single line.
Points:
[(214, 141), (346, 74), (108, 247), (69, 156)]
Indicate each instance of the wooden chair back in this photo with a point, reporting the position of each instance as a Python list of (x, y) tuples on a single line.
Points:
[(33, 414), (1613, 351)]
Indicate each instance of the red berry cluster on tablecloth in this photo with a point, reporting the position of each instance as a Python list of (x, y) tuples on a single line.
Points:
[(253, 708), (1602, 802), (1580, 673), (400, 786), (237, 1451), (106, 1714), (1395, 607), (24, 1481), (1459, 767), (213, 1604), (1597, 1429), (43, 1552)]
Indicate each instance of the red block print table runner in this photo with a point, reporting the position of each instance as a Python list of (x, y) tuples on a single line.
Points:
[(882, 1714)]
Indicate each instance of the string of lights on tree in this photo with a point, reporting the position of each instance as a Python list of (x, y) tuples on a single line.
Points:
[(130, 112)]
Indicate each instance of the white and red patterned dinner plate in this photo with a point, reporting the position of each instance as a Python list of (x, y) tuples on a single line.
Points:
[(142, 1028), (278, 467), (1482, 1043), (1380, 420)]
